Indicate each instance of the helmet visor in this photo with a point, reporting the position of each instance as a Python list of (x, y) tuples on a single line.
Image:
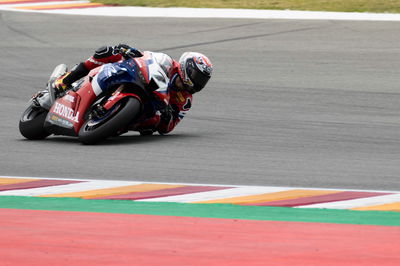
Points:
[(198, 78)]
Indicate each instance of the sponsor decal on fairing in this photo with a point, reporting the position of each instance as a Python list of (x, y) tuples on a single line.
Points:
[(66, 112)]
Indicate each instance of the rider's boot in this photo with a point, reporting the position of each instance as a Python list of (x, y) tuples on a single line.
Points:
[(59, 84), (64, 82), (57, 88)]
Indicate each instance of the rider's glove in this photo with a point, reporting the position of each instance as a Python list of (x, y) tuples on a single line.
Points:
[(127, 52), (167, 114)]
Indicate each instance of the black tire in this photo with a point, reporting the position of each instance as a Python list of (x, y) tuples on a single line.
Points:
[(31, 123), (118, 117)]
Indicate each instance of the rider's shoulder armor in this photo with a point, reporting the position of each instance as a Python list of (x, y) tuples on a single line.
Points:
[(164, 60)]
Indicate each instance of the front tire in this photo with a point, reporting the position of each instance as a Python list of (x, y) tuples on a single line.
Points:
[(32, 122), (118, 117)]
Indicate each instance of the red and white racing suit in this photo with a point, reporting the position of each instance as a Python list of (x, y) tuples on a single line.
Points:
[(180, 101)]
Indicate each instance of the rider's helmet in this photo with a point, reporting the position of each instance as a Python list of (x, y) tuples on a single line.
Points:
[(195, 71)]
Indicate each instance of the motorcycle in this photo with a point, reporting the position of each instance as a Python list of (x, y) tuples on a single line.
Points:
[(138, 87)]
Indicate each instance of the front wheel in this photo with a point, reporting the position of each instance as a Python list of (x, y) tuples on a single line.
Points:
[(118, 117), (32, 121)]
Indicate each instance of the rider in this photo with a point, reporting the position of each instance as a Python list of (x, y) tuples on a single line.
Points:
[(187, 76)]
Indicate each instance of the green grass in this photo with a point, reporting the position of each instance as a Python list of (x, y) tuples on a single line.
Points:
[(376, 6)]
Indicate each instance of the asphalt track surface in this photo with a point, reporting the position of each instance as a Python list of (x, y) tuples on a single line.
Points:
[(291, 103)]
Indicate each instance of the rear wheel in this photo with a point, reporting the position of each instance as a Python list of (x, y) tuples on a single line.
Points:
[(108, 124), (32, 121)]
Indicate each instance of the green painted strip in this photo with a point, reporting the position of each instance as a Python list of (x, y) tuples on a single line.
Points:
[(227, 211)]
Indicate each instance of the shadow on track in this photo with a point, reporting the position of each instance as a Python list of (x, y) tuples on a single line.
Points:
[(120, 140)]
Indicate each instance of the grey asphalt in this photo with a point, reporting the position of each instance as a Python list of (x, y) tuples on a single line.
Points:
[(291, 103)]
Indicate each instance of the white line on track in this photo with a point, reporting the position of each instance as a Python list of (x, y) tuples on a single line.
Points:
[(10, 6), (175, 12)]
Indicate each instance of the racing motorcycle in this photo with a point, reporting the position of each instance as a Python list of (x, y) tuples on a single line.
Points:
[(137, 88)]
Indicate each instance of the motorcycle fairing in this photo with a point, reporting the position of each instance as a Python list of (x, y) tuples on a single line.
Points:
[(68, 113), (116, 97), (66, 116), (63, 115)]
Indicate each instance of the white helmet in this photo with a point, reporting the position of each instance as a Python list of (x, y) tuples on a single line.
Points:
[(195, 71)]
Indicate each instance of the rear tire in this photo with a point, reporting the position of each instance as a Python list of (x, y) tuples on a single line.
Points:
[(31, 123), (117, 118)]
